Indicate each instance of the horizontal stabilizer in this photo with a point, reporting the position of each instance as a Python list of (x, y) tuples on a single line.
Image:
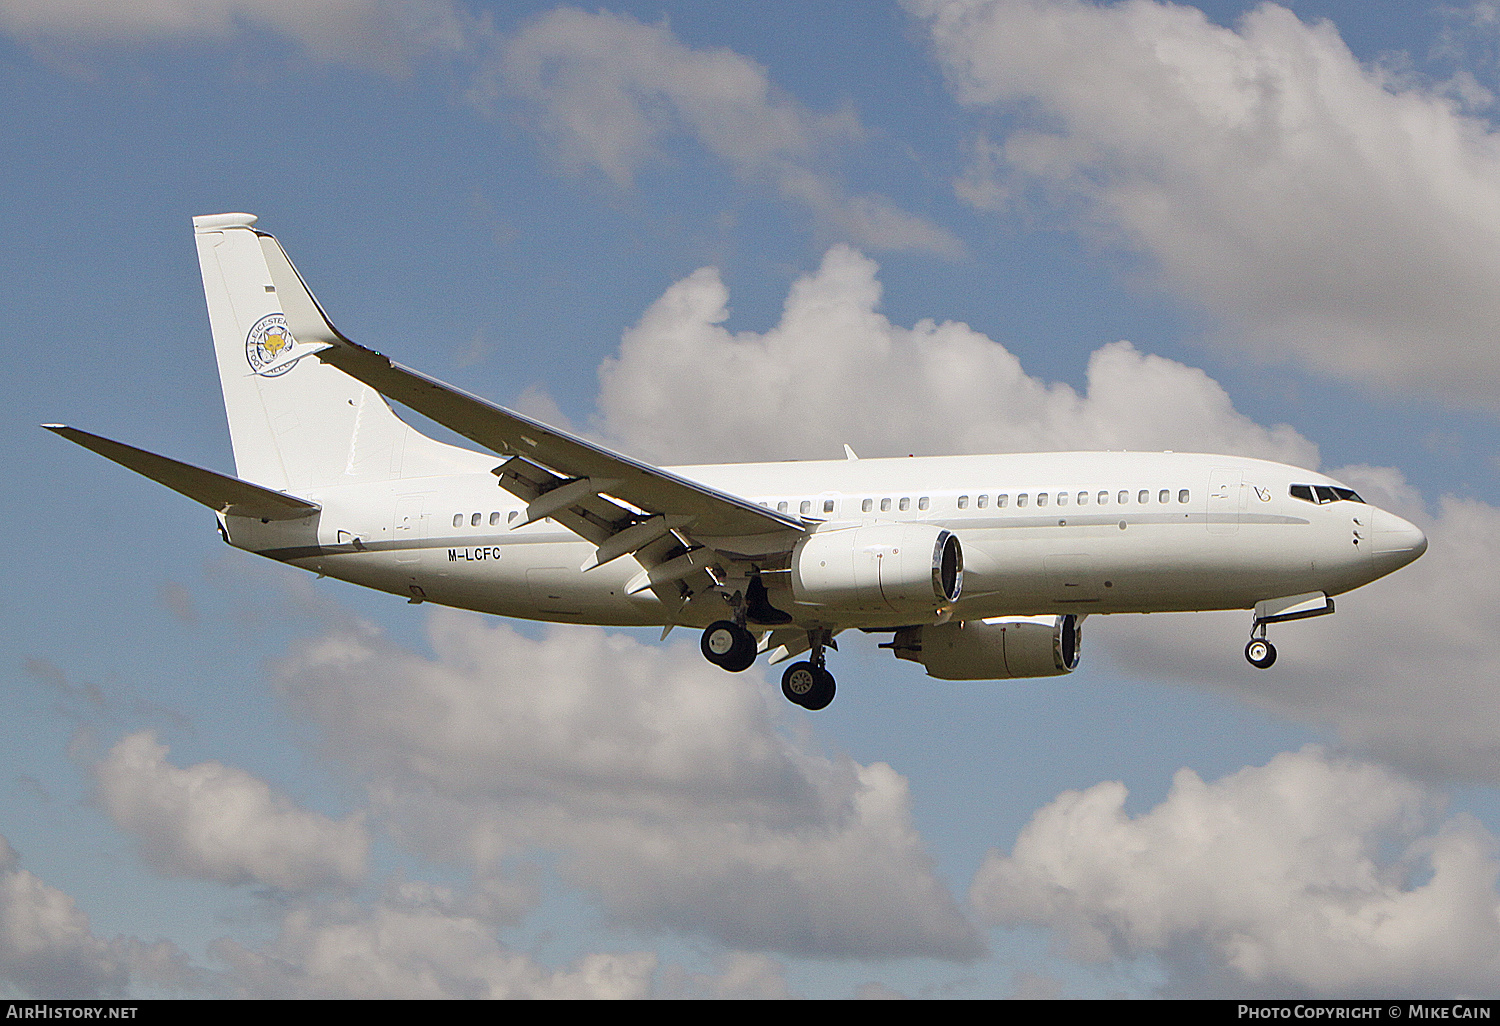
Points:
[(219, 492)]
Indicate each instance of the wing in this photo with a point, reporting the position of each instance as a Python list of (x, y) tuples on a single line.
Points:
[(680, 530), (219, 492)]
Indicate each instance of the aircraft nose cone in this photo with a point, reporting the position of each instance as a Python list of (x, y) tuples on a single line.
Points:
[(1396, 541)]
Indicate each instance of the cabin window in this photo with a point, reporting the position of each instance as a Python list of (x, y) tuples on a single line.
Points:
[(867, 505), (1021, 499), (1104, 498), (806, 507), (1041, 498), (474, 520), (494, 519), (1001, 501), (511, 516), (827, 505), (458, 520), (1182, 496), (905, 503), (781, 506), (984, 500), (963, 502), (1123, 497), (1083, 498), (1062, 498), (1144, 497), (1165, 495), (885, 505), (922, 503)]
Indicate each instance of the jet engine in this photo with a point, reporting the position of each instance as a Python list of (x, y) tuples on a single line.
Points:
[(994, 649), (884, 568)]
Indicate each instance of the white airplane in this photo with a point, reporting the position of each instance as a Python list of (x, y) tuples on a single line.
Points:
[(980, 567)]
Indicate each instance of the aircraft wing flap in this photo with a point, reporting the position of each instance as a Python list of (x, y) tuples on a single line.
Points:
[(219, 492), (504, 431), (590, 515), (615, 530)]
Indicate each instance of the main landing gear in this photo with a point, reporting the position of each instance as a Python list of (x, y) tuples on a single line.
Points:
[(807, 683), (730, 645), (727, 644)]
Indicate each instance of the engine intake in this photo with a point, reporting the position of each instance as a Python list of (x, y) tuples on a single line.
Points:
[(898, 568), (996, 649)]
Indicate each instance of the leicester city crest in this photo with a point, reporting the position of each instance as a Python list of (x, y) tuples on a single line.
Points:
[(269, 345)]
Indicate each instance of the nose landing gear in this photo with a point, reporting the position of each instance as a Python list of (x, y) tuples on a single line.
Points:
[(1260, 652)]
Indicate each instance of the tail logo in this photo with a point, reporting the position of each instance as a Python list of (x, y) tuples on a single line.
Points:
[(269, 345)]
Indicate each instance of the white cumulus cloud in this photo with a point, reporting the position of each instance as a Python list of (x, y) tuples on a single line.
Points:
[(46, 947), (48, 950), (383, 34), (215, 822), (837, 370), (385, 952), (1330, 214), (1309, 875), (667, 787), (613, 94)]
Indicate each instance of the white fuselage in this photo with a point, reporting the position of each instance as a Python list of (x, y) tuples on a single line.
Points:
[(1082, 532)]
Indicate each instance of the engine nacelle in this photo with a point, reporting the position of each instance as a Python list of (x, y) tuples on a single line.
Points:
[(895, 568), (994, 649)]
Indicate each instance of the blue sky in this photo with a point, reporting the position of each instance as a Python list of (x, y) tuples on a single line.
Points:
[(704, 232)]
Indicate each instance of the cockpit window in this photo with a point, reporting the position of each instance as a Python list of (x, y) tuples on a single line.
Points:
[(1321, 494)]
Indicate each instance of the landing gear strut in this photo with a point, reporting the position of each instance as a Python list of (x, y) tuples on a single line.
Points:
[(807, 683)]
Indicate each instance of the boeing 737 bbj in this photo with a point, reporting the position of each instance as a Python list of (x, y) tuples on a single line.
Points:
[(979, 567)]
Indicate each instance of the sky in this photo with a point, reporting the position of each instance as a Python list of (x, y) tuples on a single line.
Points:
[(705, 232)]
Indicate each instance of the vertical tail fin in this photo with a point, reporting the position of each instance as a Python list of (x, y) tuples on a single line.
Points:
[(295, 422)]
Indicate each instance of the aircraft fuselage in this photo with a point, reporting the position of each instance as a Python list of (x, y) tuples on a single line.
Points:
[(1082, 532)]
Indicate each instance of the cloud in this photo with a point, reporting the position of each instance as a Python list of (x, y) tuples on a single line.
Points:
[(665, 786), (382, 34), (1309, 875), (215, 822), (742, 976), (836, 370), (1329, 213), (614, 94), (392, 953), (46, 947), (607, 91)]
